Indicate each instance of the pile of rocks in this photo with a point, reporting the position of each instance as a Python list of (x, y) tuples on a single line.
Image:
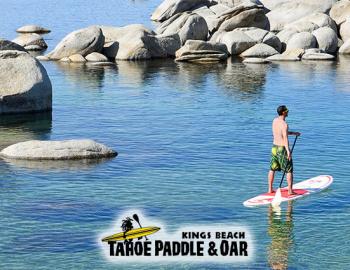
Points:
[(199, 29), (30, 37)]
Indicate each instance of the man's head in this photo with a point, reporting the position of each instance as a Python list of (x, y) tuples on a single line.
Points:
[(282, 110)]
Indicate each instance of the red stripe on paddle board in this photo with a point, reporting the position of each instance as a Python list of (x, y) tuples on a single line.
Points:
[(284, 193)]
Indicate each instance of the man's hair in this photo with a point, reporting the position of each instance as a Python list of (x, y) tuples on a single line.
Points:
[(281, 109)]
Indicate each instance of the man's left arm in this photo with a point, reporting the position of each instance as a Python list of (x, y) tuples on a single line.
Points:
[(294, 133)]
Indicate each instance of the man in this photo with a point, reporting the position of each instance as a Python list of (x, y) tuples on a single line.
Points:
[(281, 158)]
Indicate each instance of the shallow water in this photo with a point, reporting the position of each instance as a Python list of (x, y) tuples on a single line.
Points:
[(193, 143)]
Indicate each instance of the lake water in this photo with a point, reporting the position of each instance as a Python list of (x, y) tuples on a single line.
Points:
[(193, 141)]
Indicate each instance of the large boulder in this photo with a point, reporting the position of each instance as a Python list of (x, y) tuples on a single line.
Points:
[(344, 30), (31, 42), (327, 39), (285, 12), (135, 42), (302, 40), (312, 22), (260, 51), (340, 11), (169, 8), (83, 41), (237, 42), (24, 84), (188, 26), (201, 51), (32, 29), (9, 45), (284, 36), (345, 48), (209, 16), (57, 150), (243, 15)]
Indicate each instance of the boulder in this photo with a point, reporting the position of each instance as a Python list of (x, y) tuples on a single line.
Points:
[(135, 42), (32, 29), (9, 45), (302, 40), (345, 48), (57, 150), (83, 41), (344, 30), (31, 42), (110, 49), (285, 12), (24, 84), (340, 11), (169, 8), (209, 16), (188, 26), (201, 51), (289, 55), (327, 39), (318, 56), (237, 42), (312, 22), (75, 58), (96, 57), (244, 15), (195, 28), (253, 60), (260, 51)]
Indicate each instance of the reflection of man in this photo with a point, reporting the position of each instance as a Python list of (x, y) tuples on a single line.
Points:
[(281, 233), (281, 158)]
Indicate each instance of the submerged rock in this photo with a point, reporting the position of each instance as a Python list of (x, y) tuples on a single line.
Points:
[(318, 56), (201, 51), (57, 150), (24, 84), (82, 41), (33, 29)]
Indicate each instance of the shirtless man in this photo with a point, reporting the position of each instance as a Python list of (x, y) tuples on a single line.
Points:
[(281, 157)]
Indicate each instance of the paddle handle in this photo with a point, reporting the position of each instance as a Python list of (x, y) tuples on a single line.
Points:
[(285, 169)]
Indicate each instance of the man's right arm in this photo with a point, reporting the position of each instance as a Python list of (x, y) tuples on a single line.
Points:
[(285, 140)]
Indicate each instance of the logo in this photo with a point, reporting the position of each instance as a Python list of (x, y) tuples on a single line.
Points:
[(129, 241)]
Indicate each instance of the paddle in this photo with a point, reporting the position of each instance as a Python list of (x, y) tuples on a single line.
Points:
[(278, 196), (136, 218)]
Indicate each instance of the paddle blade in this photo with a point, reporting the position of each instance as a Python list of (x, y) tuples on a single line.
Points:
[(277, 199)]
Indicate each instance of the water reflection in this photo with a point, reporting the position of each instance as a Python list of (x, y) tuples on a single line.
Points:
[(245, 81), (281, 232), (56, 165), (84, 75), (24, 127), (342, 81)]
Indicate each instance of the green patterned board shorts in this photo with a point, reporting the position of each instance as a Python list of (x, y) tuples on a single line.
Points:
[(279, 159)]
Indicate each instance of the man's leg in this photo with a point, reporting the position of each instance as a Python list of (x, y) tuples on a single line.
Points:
[(271, 177), (290, 183)]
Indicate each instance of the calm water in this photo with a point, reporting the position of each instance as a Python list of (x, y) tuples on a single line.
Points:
[(193, 143)]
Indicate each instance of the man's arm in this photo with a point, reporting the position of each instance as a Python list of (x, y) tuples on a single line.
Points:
[(285, 140), (294, 133)]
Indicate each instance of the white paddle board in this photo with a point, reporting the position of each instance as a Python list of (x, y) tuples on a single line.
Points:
[(302, 189)]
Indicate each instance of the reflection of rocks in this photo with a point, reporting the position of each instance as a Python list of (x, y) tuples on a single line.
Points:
[(342, 80), (23, 127), (244, 81), (89, 76), (57, 165)]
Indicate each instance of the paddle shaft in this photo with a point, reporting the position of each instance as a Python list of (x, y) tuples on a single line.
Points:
[(285, 169), (136, 217)]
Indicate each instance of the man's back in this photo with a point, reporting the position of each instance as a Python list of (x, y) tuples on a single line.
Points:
[(279, 130)]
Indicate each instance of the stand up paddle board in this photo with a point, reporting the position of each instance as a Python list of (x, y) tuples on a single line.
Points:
[(302, 189), (135, 233)]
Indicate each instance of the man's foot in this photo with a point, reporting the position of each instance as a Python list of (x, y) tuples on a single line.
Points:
[(292, 193), (271, 191)]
